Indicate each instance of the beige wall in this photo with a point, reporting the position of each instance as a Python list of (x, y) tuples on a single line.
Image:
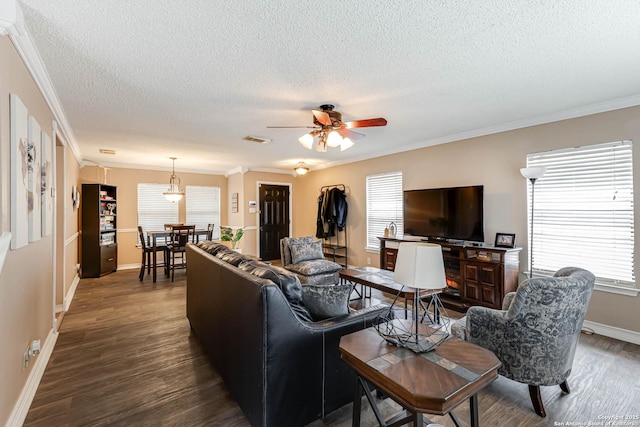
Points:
[(492, 161), (26, 282), (127, 181)]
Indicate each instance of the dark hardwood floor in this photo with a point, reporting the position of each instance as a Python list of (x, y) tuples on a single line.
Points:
[(125, 356)]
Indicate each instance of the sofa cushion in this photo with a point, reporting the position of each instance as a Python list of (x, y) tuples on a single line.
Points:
[(211, 247), (305, 252), (316, 266), (287, 241), (249, 265), (324, 301), (288, 283), (232, 257), (221, 251)]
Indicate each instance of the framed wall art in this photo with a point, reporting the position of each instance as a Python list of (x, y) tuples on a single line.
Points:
[(46, 189), (35, 182), (19, 173)]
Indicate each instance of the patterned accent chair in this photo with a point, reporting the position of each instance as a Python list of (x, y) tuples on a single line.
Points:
[(536, 333), (304, 257)]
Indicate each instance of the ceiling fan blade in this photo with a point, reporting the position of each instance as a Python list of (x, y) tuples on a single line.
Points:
[(366, 123), (292, 127), (322, 117), (346, 133)]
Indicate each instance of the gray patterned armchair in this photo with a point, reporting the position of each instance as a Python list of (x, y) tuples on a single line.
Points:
[(304, 256), (536, 333)]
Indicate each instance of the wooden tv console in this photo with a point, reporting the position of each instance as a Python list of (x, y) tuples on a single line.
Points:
[(477, 275)]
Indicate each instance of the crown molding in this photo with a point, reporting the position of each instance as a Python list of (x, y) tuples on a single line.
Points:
[(29, 53), (238, 169), (573, 113)]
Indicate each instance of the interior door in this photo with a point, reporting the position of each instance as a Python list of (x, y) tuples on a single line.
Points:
[(274, 219)]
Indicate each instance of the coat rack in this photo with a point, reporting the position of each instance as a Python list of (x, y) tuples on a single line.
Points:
[(335, 247)]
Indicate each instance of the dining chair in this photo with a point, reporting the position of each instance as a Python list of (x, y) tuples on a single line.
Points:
[(210, 232), (147, 251), (180, 236)]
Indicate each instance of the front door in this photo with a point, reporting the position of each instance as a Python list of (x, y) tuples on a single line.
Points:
[(274, 219)]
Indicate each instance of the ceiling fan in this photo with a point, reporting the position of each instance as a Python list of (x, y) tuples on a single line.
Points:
[(331, 130)]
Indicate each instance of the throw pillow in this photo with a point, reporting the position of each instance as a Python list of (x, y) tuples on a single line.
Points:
[(288, 283), (285, 246), (306, 251), (325, 301)]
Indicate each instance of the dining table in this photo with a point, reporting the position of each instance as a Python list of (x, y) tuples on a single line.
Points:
[(154, 236)]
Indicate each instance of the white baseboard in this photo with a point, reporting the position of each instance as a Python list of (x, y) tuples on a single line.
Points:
[(21, 408), (72, 291), (613, 332), (128, 266)]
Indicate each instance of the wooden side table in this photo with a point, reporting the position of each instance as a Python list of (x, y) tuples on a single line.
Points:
[(434, 383)]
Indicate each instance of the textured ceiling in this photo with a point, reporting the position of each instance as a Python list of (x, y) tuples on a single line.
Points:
[(158, 78)]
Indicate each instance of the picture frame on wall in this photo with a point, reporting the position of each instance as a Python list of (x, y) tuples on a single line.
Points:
[(19, 173), (34, 196), (505, 240)]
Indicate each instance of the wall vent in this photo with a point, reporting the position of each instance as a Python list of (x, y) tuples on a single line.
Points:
[(107, 151), (258, 139)]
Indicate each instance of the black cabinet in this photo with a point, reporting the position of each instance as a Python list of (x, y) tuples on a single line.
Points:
[(99, 223)]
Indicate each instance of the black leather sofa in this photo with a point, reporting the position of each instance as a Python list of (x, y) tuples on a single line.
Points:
[(282, 371)]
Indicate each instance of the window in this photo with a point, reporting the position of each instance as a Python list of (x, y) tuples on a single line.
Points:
[(154, 211), (384, 205), (583, 212), (203, 207)]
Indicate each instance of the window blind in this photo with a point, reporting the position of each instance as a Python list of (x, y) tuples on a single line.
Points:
[(583, 212), (154, 211), (203, 207), (384, 204)]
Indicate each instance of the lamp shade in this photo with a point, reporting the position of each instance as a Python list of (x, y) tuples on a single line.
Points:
[(306, 140), (533, 172), (420, 265), (334, 139), (346, 144)]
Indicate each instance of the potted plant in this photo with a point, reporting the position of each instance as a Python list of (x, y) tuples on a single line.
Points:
[(227, 235)]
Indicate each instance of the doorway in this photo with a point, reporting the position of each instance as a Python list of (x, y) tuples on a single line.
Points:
[(274, 219)]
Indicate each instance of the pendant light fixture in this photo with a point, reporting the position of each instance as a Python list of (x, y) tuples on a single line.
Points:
[(174, 193), (301, 168)]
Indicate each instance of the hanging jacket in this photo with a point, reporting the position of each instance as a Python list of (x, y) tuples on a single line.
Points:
[(320, 233)]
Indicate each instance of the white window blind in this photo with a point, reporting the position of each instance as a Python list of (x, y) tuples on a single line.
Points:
[(583, 212), (203, 207), (154, 211), (384, 204)]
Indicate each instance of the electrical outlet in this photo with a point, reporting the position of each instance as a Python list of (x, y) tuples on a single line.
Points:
[(369, 261)]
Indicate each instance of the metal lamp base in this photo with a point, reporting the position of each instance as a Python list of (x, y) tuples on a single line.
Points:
[(422, 333)]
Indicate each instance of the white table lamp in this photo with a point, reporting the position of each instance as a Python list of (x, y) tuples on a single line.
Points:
[(419, 266)]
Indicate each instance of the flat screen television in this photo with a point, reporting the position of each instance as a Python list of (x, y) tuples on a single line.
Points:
[(455, 213)]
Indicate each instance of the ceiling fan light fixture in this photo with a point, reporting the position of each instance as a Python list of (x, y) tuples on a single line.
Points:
[(174, 193), (346, 144), (306, 140), (321, 147), (334, 139), (301, 168)]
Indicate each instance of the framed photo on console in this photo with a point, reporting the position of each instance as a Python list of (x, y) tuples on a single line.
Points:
[(505, 240)]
